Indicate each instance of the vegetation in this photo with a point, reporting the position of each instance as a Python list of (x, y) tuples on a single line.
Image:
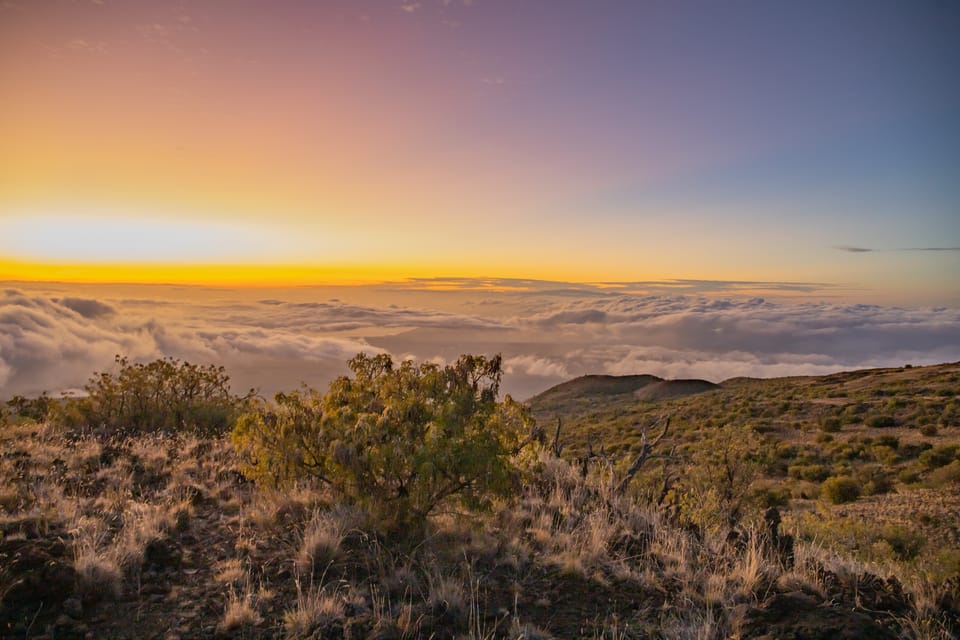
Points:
[(401, 441), (840, 489), (409, 501), (165, 394)]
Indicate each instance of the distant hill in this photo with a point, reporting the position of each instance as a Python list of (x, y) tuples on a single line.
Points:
[(790, 410), (673, 389), (585, 391)]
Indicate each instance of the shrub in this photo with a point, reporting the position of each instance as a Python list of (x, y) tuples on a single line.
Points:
[(887, 441), (812, 472), (772, 495), (840, 489), (945, 475), (831, 425), (881, 421), (35, 409), (875, 480), (400, 441), (940, 456), (165, 394), (906, 544)]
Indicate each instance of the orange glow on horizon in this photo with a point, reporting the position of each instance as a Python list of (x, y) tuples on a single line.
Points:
[(248, 275)]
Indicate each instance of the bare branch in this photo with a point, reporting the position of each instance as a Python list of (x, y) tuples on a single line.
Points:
[(557, 444), (646, 449)]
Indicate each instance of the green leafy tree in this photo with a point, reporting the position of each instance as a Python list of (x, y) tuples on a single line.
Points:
[(401, 440)]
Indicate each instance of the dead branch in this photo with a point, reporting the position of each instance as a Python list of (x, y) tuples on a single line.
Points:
[(558, 445), (646, 449)]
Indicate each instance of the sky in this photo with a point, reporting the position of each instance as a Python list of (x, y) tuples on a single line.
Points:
[(495, 160)]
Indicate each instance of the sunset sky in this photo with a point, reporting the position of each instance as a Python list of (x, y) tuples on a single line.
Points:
[(682, 188), (578, 140)]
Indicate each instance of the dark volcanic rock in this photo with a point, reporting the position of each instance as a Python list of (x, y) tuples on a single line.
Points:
[(800, 616), (39, 577), (162, 554)]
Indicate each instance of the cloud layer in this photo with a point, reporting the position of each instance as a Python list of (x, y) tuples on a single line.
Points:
[(546, 333)]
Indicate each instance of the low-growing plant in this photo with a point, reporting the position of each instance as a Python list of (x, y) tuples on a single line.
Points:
[(940, 456), (811, 472), (945, 475), (929, 430), (840, 489), (881, 421), (831, 425)]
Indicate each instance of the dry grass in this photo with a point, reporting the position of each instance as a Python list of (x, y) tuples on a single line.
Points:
[(317, 612), (96, 562), (320, 545), (568, 557), (240, 612)]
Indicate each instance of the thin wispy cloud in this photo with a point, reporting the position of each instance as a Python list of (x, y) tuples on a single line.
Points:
[(850, 249)]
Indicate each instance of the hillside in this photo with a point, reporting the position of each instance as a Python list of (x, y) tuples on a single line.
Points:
[(151, 531), (904, 400), (587, 391), (667, 389), (894, 433)]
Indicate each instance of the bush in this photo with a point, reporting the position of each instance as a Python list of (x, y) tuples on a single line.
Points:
[(840, 489), (906, 544), (946, 475), (881, 422), (831, 425), (940, 456), (401, 441), (35, 409), (875, 480), (165, 394), (812, 472), (887, 441)]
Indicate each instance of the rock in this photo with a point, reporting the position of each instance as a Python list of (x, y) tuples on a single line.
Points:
[(864, 591), (34, 582), (162, 554), (799, 616), (73, 608)]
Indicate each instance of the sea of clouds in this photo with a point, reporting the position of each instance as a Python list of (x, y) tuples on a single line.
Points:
[(54, 340)]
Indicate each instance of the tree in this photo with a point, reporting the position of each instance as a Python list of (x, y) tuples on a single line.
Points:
[(401, 440)]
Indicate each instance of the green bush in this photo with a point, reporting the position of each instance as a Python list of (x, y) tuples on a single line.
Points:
[(401, 441), (771, 495), (875, 480), (940, 456), (831, 425), (881, 421), (906, 544), (887, 441), (811, 472), (945, 475), (163, 395), (35, 409), (840, 489)]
